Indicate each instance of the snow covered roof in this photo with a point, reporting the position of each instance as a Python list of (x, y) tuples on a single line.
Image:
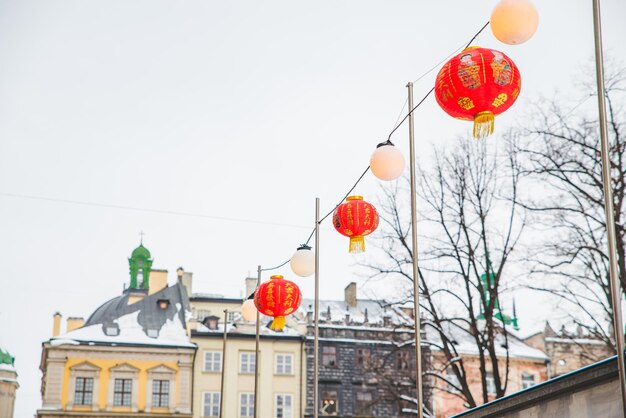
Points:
[(7, 368), (367, 312), (143, 322), (465, 344)]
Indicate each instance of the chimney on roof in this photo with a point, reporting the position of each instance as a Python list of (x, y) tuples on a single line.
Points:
[(56, 324), (157, 281), (187, 282), (74, 322), (350, 295), (250, 286)]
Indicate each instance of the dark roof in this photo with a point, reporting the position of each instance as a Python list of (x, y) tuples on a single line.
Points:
[(151, 316)]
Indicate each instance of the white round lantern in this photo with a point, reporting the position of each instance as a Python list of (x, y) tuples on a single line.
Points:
[(514, 21), (387, 162), (303, 261), (248, 310)]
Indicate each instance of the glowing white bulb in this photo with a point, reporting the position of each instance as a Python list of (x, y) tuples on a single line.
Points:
[(248, 310), (387, 162), (303, 261), (514, 21)]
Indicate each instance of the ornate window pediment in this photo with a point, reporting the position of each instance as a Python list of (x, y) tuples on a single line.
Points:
[(84, 385), (125, 392), (161, 384)]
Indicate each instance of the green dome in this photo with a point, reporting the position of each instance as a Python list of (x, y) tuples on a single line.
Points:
[(6, 358), (141, 252)]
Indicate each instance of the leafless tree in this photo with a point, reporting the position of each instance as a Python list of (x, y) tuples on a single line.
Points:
[(559, 150), (470, 223)]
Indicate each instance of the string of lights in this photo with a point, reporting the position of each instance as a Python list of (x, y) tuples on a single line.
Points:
[(388, 142)]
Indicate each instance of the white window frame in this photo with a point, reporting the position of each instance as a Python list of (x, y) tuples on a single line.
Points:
[(526, 379), (249, 404), (249, 365), (285, 413), (491, 383), (454, 380), (211, 404), (84, 370), (219, 362), (161, 372), (123, 371), (281, 361)]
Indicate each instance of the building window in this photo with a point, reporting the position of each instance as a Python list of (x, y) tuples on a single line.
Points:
[(160, 393), (246, 404), (112, 331), (211, 404), (364, 403), (247, 362), (201, 314), (212, 361), (402, 360), (231, 316), (283, 406), (83, 394), (284, 364), (329, 356), (363, 357), (528, 380), (329, 403), (491, 384), (122, 392), (453, 384)]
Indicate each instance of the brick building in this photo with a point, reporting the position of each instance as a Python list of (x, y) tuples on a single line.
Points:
[(366, 358), (569, 351)]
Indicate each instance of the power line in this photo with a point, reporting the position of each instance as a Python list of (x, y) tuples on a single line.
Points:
[(149, 210)]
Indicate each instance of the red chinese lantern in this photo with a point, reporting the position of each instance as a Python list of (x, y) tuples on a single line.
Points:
[(355, 218), (278, 298), (477, 85)]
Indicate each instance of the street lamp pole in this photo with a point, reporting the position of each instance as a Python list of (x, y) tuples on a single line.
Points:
[(223, 363), (317, 310), (416, 288), (256, 350), (609, 209)]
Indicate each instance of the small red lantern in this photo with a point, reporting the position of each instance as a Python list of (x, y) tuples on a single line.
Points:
[(278, 298), (355, 218), (478, 84)]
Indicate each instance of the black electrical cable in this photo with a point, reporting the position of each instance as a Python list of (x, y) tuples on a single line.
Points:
[(387, 142)]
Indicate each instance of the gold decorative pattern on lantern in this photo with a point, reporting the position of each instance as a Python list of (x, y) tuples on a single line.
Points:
[(499, 101), (466, 103)]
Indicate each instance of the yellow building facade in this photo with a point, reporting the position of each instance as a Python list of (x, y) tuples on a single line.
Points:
[(131, 358), (231, 365)]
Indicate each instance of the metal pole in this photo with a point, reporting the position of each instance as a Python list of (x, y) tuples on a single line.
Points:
[(416, 288), (609, 209), (317, 310), (223, 362), (256, 350)]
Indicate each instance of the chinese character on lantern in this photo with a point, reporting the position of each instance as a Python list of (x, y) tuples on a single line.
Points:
[(477, 85), (277, 298), (355, 218)]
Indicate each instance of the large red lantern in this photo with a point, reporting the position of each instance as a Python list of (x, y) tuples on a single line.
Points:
[(278, 298), (355, 218), (477, 85)]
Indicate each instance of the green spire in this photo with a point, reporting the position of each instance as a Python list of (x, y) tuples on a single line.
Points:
[(140, 264), (6, 358), (515, 325)]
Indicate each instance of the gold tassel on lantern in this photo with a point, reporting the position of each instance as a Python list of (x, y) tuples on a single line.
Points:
[(357, 244), (483, 124), (278, 323)]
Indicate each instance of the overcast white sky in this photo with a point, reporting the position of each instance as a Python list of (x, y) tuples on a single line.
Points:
[(242, 109)]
